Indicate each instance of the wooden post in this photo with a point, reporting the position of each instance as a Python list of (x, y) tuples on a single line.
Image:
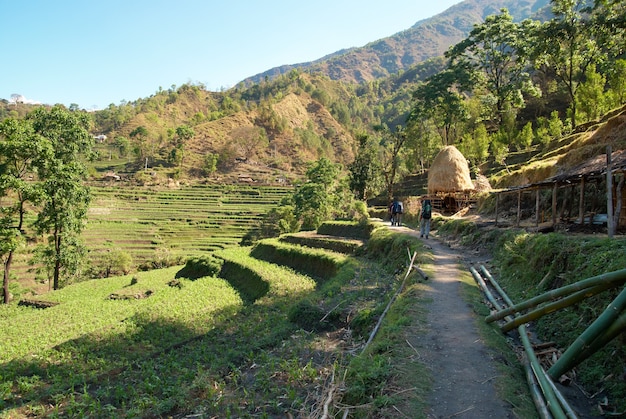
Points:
[(519, 206), (610, 224), (537, 207), (554, 191), (581, 202), (497, 201)]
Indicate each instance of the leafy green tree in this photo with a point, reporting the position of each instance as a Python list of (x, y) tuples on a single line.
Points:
[(496, 50), (123, 146), (567, 46), (66, 198), (115, 261), (555, 125), (140, 135), (365, 170), (210, 163), (440, 100), (21, 149), (423, 143), (617, 82), (314, 200), (183, 134), (475, 145), (526, 136), (591, 99), (391, 148)]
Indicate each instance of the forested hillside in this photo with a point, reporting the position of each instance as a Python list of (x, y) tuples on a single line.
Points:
[(503, 88)]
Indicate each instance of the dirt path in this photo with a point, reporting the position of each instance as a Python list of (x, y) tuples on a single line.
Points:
[(462, 369)]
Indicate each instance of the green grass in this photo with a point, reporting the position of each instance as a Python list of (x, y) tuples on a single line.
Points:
[(527, 265), (195, 348)]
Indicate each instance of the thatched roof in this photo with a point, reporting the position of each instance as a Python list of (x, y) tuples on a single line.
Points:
[(449, 173)]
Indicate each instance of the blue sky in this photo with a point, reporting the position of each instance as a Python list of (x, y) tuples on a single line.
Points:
[(100, 52)]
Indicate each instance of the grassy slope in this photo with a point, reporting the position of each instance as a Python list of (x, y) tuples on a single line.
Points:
[(196, 347)]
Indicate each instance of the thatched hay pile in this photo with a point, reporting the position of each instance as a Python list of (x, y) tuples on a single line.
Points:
[(481, 183), (449, 173)]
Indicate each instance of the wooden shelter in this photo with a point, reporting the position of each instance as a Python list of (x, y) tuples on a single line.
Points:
[(606, 169), (450, 186)]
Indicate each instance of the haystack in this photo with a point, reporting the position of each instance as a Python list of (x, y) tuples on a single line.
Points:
[(449, 173)]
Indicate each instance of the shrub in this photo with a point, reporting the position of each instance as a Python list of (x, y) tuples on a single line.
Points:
[(200, 267), (357, 230)]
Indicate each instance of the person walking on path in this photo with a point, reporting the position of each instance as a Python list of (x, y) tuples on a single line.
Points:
[(396, 208), (425, 216)]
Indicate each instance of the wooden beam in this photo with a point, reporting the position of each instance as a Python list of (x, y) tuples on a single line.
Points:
[(519, 207), (581, 202), (537, 207), (554, 192)]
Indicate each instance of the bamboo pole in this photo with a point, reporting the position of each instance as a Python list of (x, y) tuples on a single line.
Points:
[(611, 277), (550, 397), (568, 410), (393, 298), (493, 282), (565, 362), (535, 390), (484, 287), (613, 331), (557, 305), (548, 392)]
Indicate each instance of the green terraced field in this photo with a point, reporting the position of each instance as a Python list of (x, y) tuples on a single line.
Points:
[(156, 224)]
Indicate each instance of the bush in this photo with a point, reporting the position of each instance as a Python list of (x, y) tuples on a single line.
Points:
[(357, 230), (200, 267)]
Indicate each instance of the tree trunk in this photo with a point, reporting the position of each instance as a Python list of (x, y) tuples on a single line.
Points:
[(57, 260), (5, 282)]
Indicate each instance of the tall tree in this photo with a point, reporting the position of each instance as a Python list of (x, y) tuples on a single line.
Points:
[(20, 150), (440, 99), (183, 133), (140, 134), (365, 171), (392, 145), (314, 199), (66, 197), (567, 45), (497, 51)]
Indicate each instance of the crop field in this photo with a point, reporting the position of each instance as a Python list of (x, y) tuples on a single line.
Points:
[(159, 226), (178, 346)]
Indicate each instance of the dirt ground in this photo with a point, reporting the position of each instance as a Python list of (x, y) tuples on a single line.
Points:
[(462, 366)]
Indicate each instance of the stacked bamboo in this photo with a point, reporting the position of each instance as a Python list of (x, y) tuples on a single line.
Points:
[(605, 328)]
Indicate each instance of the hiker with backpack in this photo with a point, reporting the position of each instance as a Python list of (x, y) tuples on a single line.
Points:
[(396, 209), (425, 216)]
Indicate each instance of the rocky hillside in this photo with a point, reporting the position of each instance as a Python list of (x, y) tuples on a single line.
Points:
[(426, 39)]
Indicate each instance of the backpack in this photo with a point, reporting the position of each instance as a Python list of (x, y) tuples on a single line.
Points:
[(397, 207), (426, 211)]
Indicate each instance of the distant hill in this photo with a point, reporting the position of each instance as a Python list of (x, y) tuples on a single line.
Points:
[(426, 39)]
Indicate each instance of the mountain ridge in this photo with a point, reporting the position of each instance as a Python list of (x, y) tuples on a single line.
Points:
[(426, 39)]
